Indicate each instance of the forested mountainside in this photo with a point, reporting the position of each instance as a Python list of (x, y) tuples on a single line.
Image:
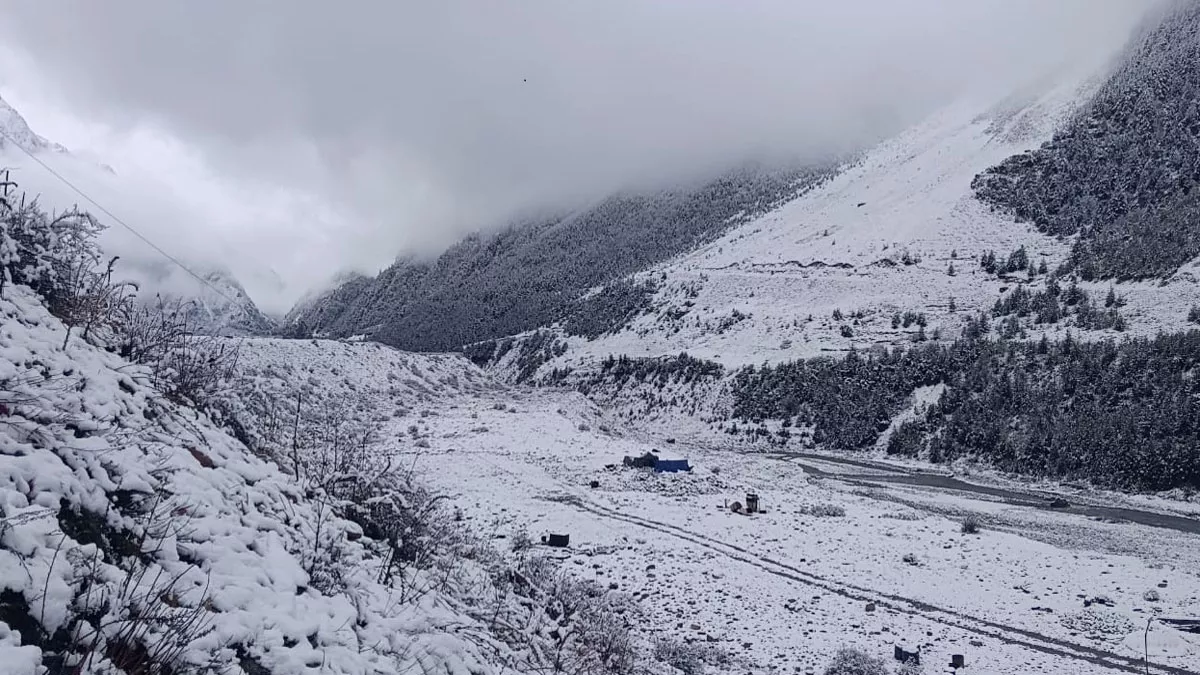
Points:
[(321, 308), (1122, 174), (1121, 414), (531, 275), (1062, 354)]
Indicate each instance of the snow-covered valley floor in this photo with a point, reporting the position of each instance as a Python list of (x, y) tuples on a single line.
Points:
[(781, 590)]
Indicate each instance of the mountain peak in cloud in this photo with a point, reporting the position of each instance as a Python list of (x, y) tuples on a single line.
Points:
[(16, 130)]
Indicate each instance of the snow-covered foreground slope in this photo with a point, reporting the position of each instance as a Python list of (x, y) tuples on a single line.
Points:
[(781, 590), (144, 517)]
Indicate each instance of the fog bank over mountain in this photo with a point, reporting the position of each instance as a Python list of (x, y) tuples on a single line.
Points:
[(400, 127)]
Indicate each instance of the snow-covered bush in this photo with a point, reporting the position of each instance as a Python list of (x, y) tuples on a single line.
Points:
[(688, 658), (573, 626), (57, 256), (823, 510), (152, 330), (197, 370), (39, 250), (970, 524), (854, 661)]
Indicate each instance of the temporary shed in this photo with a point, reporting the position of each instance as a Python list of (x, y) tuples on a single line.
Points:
[(672, 465)]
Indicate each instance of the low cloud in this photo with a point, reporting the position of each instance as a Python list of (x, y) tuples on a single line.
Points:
[(331, 135)]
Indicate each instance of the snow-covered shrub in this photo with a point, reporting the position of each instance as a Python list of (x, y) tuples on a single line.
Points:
[(970, 524), (823, 510), (197, 370), (143, 625), (150, 331), (38, 249), (688, 658), (57, 256), (87, 298), (854, 661), (575, 627), (521, 541)]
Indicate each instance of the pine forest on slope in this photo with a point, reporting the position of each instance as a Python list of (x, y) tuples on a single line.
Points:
[(1123, 174), (531, 275)]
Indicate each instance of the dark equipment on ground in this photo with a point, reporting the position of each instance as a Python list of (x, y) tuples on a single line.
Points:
[(905, 656), (557, 540), (751, 502), (646, 461)]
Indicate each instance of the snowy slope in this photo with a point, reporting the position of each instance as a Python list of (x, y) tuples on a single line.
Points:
[(97, 471), (878, 239), (842, 248), (16, 130)]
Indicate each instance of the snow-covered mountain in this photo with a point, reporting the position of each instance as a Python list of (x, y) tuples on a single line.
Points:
[(14, 129), (533, 272), (969, 256), (823, 265), (214, 304), (218, 306)]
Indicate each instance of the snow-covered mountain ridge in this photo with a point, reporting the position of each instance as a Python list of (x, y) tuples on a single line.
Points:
[(218, 306), (16, 130), (957, 256)]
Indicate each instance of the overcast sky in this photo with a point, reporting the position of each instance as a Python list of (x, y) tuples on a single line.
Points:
[(300, 138)]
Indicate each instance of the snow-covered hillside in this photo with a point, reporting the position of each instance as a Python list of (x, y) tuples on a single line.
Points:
[(168, 514), (899, 231), (117, 504)]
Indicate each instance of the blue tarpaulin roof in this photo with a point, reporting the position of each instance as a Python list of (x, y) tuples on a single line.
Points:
[(672, 465)]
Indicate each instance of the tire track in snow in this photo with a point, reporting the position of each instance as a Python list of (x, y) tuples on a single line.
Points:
[(1012, 635)]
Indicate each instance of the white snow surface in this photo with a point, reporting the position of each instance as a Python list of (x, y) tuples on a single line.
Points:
[(782, 590), (778, 591), (79, 427)]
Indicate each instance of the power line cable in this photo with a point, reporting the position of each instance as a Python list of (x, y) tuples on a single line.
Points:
[(114, 217)]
